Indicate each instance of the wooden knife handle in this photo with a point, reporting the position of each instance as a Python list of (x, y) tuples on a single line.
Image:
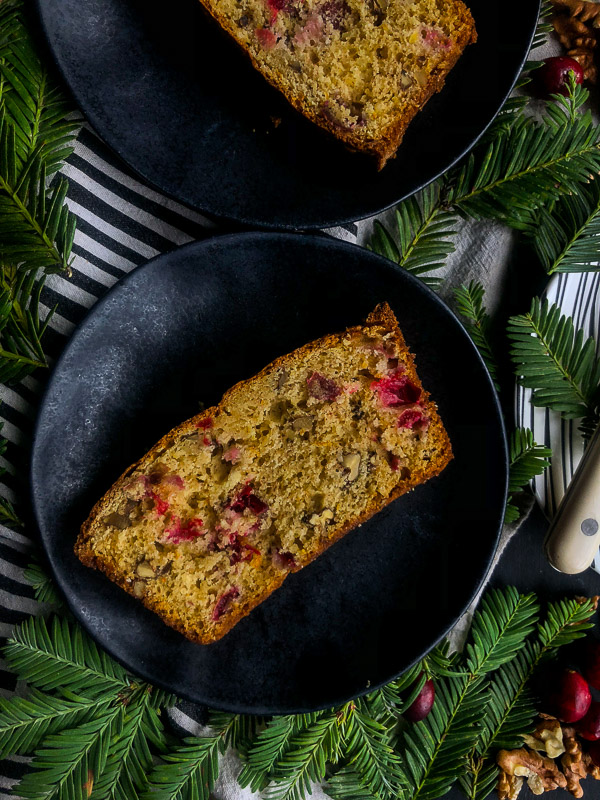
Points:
[(574, 535)]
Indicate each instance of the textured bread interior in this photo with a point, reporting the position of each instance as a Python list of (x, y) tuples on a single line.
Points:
[(360, 68), (224, 507)]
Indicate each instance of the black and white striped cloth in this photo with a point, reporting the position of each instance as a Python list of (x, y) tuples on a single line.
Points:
[(121, 223)]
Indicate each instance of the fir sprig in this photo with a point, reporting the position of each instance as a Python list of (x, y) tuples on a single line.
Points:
[(527, 459), (529, 163), (36, 226), (423, 235), (469, 300), (556, 362), (566, 234), (436, 750), (61, 656), (187, 772)]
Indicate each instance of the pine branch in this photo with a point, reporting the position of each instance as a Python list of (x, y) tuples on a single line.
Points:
[(129, 760), (566, 621), (36, 226), (306, 759), (43, 586), (21, 329), (236, 730), (65, 766), (566, 235), (367, 750), (25, 722), (502, 623), (62, 657), (188, 772), (423, 235), (436, 750), (469, 300), (269, 746), (527, 459), (555, 361), (346, 785), (394, 697), (510, 711), (528, 163)]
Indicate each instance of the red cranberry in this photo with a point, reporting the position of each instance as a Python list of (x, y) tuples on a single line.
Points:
[(322, 388), (396, 390), (553, 76), (570, 696), (591, 663), (224, 602), (423, 703), (594, 751), (589, 726)]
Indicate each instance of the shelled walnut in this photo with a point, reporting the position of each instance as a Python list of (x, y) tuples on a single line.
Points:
[(577, 24), (542, 773)]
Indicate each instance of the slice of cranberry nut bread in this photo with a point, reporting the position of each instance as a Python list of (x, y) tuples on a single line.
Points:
[(211, 521), (361, 69)]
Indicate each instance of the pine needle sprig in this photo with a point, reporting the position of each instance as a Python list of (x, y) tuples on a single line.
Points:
[(65, 766), (433, 751), (555, 361), (511, 711), (502, 623), (44, 587), (36, 226), (423, 235), (236, 730), (61, 656), (129, 760), (566, 621), (24, 722), (566, 235), (469, 300), (436, 750), (367, 750), (529, 163), (187, 772), (269, 747), (305, 761), (526, 460)]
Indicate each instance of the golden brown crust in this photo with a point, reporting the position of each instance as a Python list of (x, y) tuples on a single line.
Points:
[(385, 147), (382, 316)]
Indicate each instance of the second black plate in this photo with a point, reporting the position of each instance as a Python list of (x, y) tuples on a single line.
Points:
[(185, 109), (184, 328)]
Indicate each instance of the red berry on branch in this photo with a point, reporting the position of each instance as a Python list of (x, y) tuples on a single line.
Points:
[(422, 704), (553, 77), (589, 727), (570, 696)]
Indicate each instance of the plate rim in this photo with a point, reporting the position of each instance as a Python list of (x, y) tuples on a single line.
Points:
[(254, 223), (228, 239)]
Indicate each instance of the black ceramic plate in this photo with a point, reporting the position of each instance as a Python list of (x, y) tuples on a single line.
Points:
[(184, 328), (182, 106)]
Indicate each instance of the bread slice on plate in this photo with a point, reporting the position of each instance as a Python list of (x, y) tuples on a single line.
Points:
[(215, 517), (361, 69)]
